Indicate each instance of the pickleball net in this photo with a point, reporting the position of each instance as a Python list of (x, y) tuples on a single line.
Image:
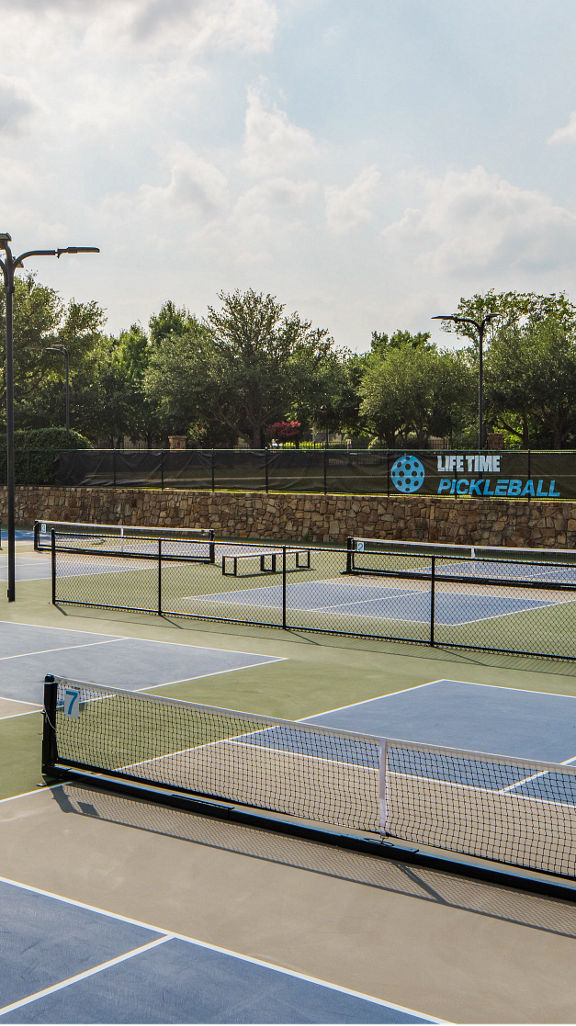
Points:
[(488, 564), (520, 813), (194, 543)]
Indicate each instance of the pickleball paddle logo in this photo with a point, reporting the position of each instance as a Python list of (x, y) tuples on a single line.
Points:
[(407, 474)]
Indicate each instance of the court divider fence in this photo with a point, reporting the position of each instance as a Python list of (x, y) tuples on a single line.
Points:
[(431, 600)]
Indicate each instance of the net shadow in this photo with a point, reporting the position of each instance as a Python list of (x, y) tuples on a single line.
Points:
[(501, 902)]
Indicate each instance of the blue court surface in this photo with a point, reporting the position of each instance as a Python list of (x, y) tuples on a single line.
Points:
[(371, 600), (28, 653), (477, 717), (70, 963), (21, 534)]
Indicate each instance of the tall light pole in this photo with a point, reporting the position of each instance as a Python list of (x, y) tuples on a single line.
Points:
[(66, 354), (9, 265), (480, 327)]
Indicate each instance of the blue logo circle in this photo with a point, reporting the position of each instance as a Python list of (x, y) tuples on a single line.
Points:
[(407, 474)]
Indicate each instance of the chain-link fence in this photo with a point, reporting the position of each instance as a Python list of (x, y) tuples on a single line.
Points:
[(523, 608)]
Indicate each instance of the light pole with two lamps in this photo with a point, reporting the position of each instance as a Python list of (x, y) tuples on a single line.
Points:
[(9, 264), (480, 327)]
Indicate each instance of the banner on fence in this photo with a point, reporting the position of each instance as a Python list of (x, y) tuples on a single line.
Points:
[(478, 475), (448, 474)]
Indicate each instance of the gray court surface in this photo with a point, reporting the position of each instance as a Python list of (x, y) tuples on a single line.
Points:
[(479, 717), (28, 653), (69, 963)]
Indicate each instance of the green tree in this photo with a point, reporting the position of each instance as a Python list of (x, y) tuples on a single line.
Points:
[(414, 390), (42, 319), (179, 382), (531, 381), (381, 343), (267, 365)]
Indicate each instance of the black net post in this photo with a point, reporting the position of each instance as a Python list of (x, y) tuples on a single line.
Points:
[(211, 548), (49, 743)]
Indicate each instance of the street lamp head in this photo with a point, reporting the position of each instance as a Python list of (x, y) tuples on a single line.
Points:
[(77, 249), (5, 238)]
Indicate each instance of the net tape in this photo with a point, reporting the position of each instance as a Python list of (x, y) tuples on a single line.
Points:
[(517, 812)]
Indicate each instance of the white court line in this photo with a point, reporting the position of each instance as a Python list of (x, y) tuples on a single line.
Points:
[(212, 673), (61, 648), (41, 789), (535, 776), (21, 701), (377, 698), (224, 951), (505, 687), (70, 980), (15, 716), (129, 637)]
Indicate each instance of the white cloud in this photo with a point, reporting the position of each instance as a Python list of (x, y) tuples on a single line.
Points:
[(567, 133), (347, 208), (15, 106), (476, 221), (196, 191), (246, 25), (192, 25), (272, 144)]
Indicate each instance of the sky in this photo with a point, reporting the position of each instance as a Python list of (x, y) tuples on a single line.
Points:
[(367, 162)]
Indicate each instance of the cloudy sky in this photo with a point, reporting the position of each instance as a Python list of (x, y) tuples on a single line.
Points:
[(368, 162)]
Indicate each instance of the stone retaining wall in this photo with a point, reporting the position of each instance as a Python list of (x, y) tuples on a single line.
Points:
[(313, 518)]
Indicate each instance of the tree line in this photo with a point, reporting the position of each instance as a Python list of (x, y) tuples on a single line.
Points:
[(250, 371)]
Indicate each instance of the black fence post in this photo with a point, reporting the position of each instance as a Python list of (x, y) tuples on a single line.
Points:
[(266, 469), (159, 577), (113, 468), (325, 473), (212, 471), (53, 563), (529, 469), (432, 597), (349, 551), (162, 469), (284, 617)]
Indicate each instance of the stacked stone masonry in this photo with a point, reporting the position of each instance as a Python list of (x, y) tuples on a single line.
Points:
[(311, 518)]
